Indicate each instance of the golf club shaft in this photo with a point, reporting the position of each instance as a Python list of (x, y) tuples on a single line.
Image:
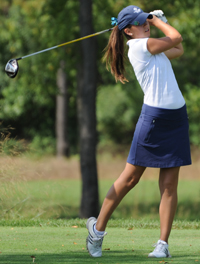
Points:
[(66, 43)]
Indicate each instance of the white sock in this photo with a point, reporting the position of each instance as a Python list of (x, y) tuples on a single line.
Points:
[(163, 242), (98, 233)]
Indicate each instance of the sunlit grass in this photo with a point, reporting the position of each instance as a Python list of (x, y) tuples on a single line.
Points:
[(43, 244), (50, 188), (128, 223), (57, 199)]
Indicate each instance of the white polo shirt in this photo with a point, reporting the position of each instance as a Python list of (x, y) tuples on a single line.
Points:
[(155, 76)]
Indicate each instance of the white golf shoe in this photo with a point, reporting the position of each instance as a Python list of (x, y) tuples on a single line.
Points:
[(94, 242), (160, 251)]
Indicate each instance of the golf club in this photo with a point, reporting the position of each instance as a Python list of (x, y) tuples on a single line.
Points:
[(12, 66)]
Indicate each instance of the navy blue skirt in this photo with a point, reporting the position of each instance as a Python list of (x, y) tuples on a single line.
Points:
[(161, 138)]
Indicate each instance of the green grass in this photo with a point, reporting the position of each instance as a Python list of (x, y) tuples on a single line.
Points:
[(67, 245), (60, 199), (39, 218), (118, 223)]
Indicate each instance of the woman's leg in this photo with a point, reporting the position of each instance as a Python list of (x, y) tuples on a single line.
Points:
[(127, 180), (168, 183)]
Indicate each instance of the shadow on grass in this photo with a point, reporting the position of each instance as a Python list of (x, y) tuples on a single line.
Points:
[(187, 210), (121, 257)]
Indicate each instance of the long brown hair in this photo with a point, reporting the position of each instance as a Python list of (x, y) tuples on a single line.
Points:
[(114, 55)]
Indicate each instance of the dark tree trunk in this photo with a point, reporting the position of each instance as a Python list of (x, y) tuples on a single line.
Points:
[(62, 144), (87, 115)]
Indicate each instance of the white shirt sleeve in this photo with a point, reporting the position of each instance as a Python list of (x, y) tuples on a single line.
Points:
[(138, 50)]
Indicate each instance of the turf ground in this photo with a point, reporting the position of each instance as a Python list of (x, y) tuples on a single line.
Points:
[(34, 191), (55, 245)]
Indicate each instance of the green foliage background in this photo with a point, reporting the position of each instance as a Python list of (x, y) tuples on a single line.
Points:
[(28, 101)]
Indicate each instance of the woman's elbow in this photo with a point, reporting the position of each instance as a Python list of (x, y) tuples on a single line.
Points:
[(179, 39)]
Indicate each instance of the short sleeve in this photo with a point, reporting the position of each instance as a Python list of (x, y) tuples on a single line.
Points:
[(138, 50)]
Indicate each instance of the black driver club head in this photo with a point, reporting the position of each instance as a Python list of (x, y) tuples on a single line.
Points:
[(12, 68)]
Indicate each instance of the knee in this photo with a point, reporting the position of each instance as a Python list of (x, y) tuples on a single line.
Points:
[(131, 176), (168, 180), (169, 188), (132, 180)]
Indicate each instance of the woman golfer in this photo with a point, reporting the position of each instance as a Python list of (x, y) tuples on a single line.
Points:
[(161, 136)]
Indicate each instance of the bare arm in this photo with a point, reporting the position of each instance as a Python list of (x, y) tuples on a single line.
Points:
[(170, 44), (174, 52)]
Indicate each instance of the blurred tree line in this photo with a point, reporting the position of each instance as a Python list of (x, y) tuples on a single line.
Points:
[(28, 102)]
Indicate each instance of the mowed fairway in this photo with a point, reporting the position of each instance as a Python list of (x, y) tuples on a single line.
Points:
[(40, 206), (67, 245)]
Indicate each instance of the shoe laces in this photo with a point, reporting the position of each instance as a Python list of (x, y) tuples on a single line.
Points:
[(159, 246), (97, 241)]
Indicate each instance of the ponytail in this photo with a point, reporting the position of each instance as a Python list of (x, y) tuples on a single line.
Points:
[(114, 55)]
